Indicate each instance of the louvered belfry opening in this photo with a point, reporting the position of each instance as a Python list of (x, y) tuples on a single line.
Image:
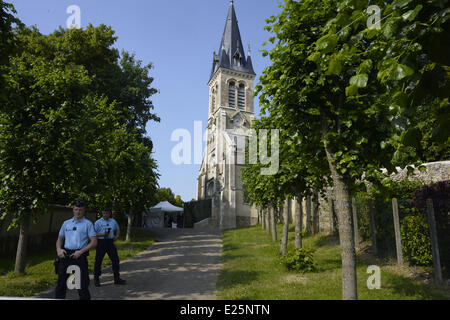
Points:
[(241, 97), (213, 101), (232, 95)]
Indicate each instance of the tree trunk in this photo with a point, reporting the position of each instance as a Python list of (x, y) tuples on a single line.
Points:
[(21, 252), (114, 209), (372, 228), (289, 209), (130, 220), (298, 224), (258, 216), (332, 217), (398, 237), (355, 222), (341, 192), (434, 243), (284, 238), (269, 219), (308, 215), (263, 219), (273, 223), (315, 215)]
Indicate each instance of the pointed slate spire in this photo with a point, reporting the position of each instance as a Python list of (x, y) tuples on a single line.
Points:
[(231, 52)]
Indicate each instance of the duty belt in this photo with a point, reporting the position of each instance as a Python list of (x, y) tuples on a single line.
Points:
[(70, 252)]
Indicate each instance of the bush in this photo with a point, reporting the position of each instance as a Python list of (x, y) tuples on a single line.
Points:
[(299, 260), (416, 240)]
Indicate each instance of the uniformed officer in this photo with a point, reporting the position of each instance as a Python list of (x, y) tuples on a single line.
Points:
[(108, 231), (76, 237)]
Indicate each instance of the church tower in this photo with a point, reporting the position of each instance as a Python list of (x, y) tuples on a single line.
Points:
[(230, 114)]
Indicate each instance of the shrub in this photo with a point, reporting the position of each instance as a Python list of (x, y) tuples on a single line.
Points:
[(299, 260), (416, 241)]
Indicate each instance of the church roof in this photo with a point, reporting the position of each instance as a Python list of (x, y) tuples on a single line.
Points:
[(231, 53)]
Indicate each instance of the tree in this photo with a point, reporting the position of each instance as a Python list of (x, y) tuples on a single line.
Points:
[(7, 22), (413, 40), (178, 201), (299, 225), (284, 237), (331, 79), (166, 194), (319, 80), (296, 176), (117, 77), (126, 169), (41, 98), (73, 123), (7, 48), (125, 84)]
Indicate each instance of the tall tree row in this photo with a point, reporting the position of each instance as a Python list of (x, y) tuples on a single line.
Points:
[(353, 99)]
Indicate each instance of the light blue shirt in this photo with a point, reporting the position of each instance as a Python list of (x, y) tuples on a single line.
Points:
[(101, 226), (76, 233)]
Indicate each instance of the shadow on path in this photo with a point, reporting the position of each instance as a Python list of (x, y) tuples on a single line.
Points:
[(182, 265)]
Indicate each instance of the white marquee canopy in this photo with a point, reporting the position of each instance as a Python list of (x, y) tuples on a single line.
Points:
[(166, 207), (154, 218)]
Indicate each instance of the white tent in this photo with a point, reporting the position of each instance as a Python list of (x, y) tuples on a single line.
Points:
[(155, 217), (166, 206)]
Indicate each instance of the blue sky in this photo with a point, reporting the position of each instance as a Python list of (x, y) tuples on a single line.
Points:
[(178, 37)]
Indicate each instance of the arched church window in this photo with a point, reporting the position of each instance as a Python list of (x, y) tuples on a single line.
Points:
[(232, 95), (241, 97)]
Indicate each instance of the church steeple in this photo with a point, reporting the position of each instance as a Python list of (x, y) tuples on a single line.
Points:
[(231, 54)]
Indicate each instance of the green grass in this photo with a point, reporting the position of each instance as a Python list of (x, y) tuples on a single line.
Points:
[(252, 271), (40, 276)]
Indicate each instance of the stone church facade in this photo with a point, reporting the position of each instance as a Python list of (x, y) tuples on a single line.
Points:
[(230, 113)]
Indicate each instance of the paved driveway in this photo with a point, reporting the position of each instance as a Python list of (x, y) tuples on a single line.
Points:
[(183, 264)]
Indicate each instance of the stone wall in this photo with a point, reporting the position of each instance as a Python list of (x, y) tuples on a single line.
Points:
[(242, 221), (435, 172), (43, 231), (204, 224)]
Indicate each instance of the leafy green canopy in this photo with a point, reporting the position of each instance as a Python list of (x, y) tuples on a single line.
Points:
[(73, 123), (329, 70), (294, 177), (306, 89), (8, 21), (413, 41), (166, 194)]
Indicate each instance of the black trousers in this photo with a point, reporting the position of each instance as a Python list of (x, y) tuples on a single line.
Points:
[(106, 246), (61, 286)]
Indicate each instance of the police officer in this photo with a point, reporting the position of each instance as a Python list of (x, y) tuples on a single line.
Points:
[(76, 237), (108, 231)]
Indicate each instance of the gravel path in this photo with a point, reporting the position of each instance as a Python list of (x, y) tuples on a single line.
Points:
[(182, 265)]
